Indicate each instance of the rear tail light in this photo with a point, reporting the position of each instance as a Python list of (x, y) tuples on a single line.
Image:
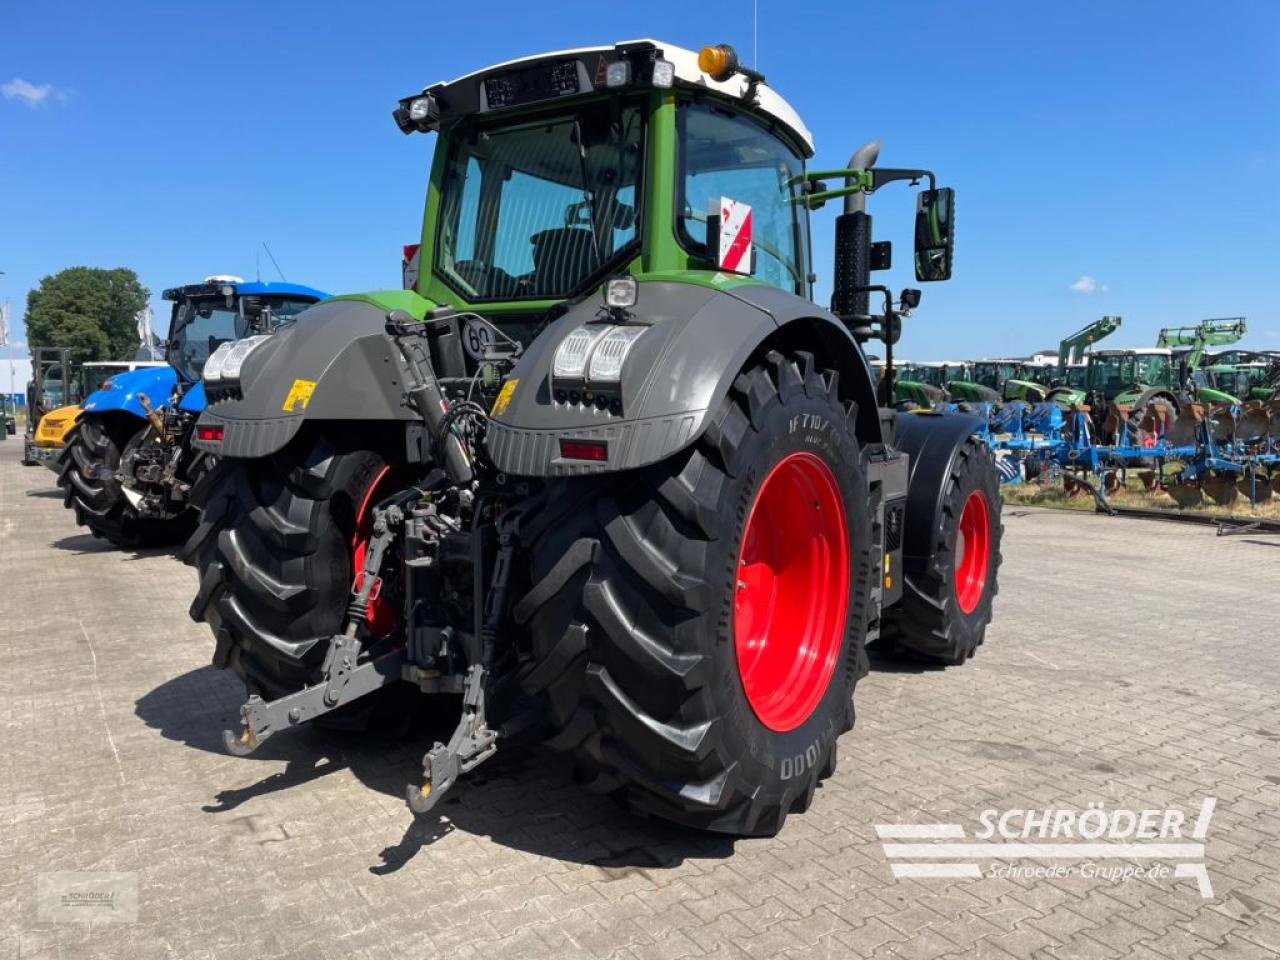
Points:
[(596, 450), (209, 434)]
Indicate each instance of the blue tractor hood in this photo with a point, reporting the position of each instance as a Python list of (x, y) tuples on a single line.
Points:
[(121, 392), (193, 401)]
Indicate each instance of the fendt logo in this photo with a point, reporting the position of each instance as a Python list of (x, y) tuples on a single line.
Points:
[(1062, 842)]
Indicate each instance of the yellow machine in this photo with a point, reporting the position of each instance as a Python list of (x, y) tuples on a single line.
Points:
[(56, 425)]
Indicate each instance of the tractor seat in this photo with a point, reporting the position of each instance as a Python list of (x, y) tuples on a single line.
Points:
[(562, 257)]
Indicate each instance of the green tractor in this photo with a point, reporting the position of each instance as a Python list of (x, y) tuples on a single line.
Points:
[(1068, 386), (1133, 393), (967, 384), (606, 472), (922, 386), (1007, 380)]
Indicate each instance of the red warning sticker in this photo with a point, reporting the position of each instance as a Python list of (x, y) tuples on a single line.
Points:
[(409, 265), (734, 254), (602, 71)]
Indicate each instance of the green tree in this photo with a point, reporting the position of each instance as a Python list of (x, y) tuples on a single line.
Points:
[(90, 310)]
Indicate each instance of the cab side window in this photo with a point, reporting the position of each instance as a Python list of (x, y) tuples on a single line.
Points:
[(724, 155)]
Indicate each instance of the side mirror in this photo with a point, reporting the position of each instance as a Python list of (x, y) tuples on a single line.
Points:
[(910, 298), (935, 234)]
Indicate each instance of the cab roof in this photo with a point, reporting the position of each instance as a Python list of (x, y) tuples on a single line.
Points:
[(687, 75), (213, 286), (1141, 352)]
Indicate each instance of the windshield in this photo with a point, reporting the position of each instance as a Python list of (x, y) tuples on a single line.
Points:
[(1109, 372), (201, 324), (937, 376), (1036, 373), (95, 377), (535, 210)]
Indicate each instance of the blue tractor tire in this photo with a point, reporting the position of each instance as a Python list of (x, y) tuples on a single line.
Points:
[(86, 474)]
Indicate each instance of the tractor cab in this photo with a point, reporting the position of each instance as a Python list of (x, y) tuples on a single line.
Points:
[(555, 173), (1112, 374), (223, 310), (56, 425), (993, 373)]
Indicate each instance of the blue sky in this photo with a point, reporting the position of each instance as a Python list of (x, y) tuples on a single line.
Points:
[(1131, 143)]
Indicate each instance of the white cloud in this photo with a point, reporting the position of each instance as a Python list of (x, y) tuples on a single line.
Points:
[(32, 94), (1088, 285)]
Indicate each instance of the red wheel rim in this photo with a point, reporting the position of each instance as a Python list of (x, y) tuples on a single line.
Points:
[(973, 551), (792, 594), (382, 618)]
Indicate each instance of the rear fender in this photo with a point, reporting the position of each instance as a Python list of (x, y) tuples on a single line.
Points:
[(674, 379), (127, 389), (334, 362), (932, 441)]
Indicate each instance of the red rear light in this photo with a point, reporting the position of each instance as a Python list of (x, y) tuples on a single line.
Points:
[(597, 450), (211, 434)]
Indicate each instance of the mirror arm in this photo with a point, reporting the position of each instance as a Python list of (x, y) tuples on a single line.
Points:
[(884, 175), (815, 200), (864, 181)]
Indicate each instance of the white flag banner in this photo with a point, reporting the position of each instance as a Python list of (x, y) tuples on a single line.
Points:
[(142, 319), (4, 324)]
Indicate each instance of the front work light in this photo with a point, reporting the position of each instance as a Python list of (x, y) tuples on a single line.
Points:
[(617, 74), (225, 362), (570, 361), (664, 74), (422, 109), (608, 356), (213, 366), (621, 293)]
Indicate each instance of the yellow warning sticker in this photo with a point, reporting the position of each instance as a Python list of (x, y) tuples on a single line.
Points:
[(299, 395), (504, 398)]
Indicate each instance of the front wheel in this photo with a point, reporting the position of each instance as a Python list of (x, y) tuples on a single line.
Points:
[(698, 626), (946, 606)]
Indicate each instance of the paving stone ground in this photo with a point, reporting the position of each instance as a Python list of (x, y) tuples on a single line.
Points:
[(1132, 663)]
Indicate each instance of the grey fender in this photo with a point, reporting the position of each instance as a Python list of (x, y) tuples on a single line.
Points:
[(932, 440), (674, 379), (340, 347)]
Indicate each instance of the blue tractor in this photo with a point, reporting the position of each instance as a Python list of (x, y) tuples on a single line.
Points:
[(128, 465)]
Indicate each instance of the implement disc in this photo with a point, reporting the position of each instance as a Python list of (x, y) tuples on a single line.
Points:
[(1253, 423), (1254, 486), (1220, 488), (1185, 494)]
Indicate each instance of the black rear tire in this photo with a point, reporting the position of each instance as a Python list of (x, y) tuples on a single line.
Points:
[(86, 474), (631, 613), (930, 620), (274, 553)]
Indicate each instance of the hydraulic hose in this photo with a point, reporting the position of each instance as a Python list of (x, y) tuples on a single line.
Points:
[(426, 396)]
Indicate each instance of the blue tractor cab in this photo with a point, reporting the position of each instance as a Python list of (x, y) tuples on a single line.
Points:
[(128, 466)]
